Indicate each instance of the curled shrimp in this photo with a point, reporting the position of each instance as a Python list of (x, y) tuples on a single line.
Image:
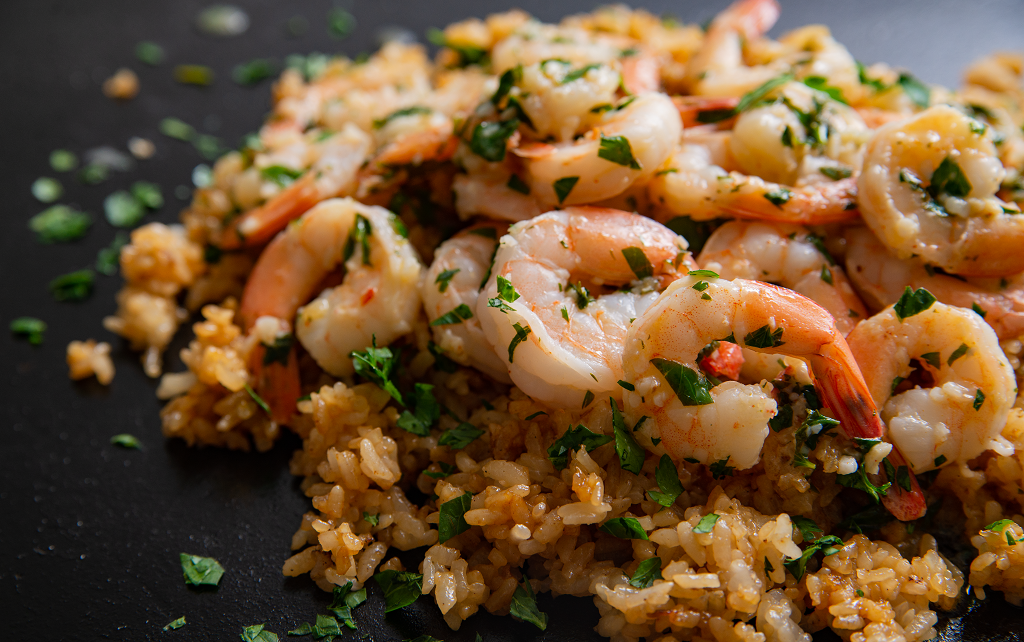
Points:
[(730, 423), (928, 190), (378, 298), (624, 147), (332, 173), (787, 255), (691, 185), (961, 413), (450, 292), (560, 340), (718, 69), (880, 278)]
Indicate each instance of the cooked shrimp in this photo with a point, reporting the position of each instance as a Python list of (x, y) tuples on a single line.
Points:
[(414, 137), (559, 343), (729, 422), (928, 189), (625, 146), (452, 287), (788, 256), (378, 299), (961, 415), (534, 42), (690, 185), (881, 278), (718, 68), (332, 173)]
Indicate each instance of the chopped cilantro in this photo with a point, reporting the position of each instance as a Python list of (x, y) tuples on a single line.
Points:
[(576, 74), (359, 235), (821, 84), (283, 176), (624, 528), (933, 359), (690, 384), (836, 173), (108, 258), (563, 187), (588, 398), (956, 354), (667, 477), (703, 273), (517, 184), (696, 233), (859, 480), (74, 286), (783, 418), (505, 83), (949, 179), (631, 455), (201, 571), (59, 223), (468, 54), (807, 527), (941, 459), (916, 91), (452, 520), (646, 572), (583, 296), (626, 385), (571, 441), (524, 606), (30, 328), (826, 275), (826, 545), (638, 262), (617, 149), (441, 361), (371, 518), (751, 98), (978, 310), (778, 197), (459, 437), (913, 302), (446, 470), (535, 415)]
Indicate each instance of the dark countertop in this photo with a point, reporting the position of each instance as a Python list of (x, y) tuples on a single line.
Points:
[(90, 534)]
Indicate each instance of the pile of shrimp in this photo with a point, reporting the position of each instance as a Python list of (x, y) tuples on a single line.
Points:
[(684, 225)]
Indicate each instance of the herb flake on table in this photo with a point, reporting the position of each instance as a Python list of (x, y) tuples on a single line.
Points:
[(30, 328), (201, 571), (59, 224)]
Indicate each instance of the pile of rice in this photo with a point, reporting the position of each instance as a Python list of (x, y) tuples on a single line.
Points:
[(529, 521)]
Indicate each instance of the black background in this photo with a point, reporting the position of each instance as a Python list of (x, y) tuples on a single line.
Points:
[(89, 533)]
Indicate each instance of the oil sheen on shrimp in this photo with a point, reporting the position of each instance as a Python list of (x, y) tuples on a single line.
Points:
[(971, 385), (561, 340), (451, 289), (378, 299), (785, 255), (928, 190)]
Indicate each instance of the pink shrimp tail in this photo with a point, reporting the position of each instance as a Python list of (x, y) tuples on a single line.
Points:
[(277, 384), (257, 226), (905, 505), (752, 18), (641, 73)]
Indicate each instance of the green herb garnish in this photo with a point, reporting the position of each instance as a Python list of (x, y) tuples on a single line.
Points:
[(638, 262), (524, 606), (670, 488), (631, 455), (401, 588), (125, 440), (646, 572), (617, 150), (571, 441), (452, 520), (624, 528), (458, 314), (201, 571), (913, 302), (59, 223), (563, 187), (29, 327), (690, 384), (459, 437), (75, 286)]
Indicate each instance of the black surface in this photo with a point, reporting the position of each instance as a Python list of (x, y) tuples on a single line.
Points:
[(89, 533)]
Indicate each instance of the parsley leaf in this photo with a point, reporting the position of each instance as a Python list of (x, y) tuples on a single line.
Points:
[(696, 233), (524, 607), (400, 588), (175, 625), (444, 278), (646, 572), (638, 262), (764, 337), (690, 385), (521, 334), (721, 468), (624, 528), (59, 224), (631, 455), (256, 633), (836, 173), (400, 113), (807, 527), (859, 479), (517, 184), (617, 149), (956, 354), (283, 176), (913, 302), (30, 328), (571, 441), (278, 351), (778, 197), (949, 179), (979, 398), (706, 523), (378, 365), (826, 545), (423, 410), (667, 477), (122, 209), (109, 258), (754, 96), (458, 314), (583, 296), (74, 286), (916, 91), (201, 571), (125, 440), (459, 437), (371, 518), (563, 187), (452, 520), (360, 235), (490, 139)]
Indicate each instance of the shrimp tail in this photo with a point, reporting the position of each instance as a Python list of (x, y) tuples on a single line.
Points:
[(905, 505), (277, 383), (259, 225)]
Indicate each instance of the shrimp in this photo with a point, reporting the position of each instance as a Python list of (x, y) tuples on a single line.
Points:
[(880, 278), (332, 173), (452, 284), (377, 301), (928, 190), (559, 343), (626, 146), (533, 42), (690, 185), (718, 69), (786, 255), (414, 136), (972, 385), (729, 422)]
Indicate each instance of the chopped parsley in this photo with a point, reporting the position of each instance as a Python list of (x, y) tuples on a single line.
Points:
[(979, 398), (631, 455), (378, 365), (571, 441), (457, 315), (524, 607), (176, 624), (254, 71), (46, 189), (149, 53), (626, 385), (258, 399), (125, 440), (401, 113), (422, 412), (517, 184), (459, 437), (583, 296), (588, 398), (62, 160), (721, 468), (74, 286), (933, 359), (108, 258), (764, 337), (646, 572), (690, 384), (949, 179), (278, 351), (122, 209), (826, 545), (836, 173), (670, 488), (706, 523), (441, 361), (638, 262), (521, 334), (859, 479), (59, 224), (826, 275), (29, 327), (941, 459), (444, 278), (811, 429), (913, 302), (283, 176), (563, 187), (505, 83), (755, 96), (821, 84), (257, 633), (468, 54), (978, 310), (490, 139), (783, 418), (956, 354), (201, 571), (371, 518), (704, 273), (807, 527), (400, 588), (778, 197), (916, 91), (452, 518), (148, 194), (359, 235), (616, 149), (446, 470), (576, 74), (696, 233), (624, 528)]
